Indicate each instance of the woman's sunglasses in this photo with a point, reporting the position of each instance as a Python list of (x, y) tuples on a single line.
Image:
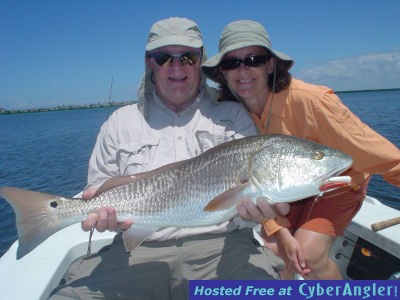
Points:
[(187, 58), (252, 61)]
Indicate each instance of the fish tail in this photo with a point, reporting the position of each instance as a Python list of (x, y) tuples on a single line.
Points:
[(36, 219)]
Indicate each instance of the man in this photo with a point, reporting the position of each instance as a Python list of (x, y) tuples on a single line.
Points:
[(166, 125)]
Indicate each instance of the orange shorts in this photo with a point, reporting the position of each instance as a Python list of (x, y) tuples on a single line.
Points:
[(329, 214)]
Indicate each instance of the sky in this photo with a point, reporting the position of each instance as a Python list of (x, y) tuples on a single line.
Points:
[(67, 52)]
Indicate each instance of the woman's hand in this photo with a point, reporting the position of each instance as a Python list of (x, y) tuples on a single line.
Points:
[(261, 211), (290, 250)]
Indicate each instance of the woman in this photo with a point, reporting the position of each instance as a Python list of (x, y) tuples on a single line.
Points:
[(248, 69)]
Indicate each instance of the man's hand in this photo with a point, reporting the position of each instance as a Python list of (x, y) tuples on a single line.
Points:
[(89, 193), (104, 219)]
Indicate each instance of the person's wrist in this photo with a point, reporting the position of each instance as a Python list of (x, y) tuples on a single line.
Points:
[(281, 233), (270, 227)]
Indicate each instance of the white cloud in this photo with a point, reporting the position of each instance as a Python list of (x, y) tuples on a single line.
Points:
[(367, 71)]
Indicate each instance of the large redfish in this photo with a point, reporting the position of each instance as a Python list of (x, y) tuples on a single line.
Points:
[(201, 191)]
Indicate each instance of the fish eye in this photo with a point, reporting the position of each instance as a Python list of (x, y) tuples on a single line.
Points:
[(53, 204), (318, 155)]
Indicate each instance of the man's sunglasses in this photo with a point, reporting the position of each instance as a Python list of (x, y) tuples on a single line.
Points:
[(252, 61), (187, 58)]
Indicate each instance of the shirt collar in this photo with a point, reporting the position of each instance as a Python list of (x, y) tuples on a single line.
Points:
[(188, 110)]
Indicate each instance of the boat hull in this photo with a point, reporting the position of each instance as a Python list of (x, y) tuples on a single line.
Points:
[(40, 271)]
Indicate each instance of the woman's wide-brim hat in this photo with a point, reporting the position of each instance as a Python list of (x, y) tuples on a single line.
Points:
[(240, 34)]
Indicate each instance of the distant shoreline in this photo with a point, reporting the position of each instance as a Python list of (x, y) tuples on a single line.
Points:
[(63, 107), (365, 91), (122, 103)]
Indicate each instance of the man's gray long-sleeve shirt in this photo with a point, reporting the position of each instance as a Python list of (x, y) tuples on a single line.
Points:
[(130, 143)]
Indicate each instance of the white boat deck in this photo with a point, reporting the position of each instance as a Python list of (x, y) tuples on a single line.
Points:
[(374, 211), (387, 239), (35, 275)]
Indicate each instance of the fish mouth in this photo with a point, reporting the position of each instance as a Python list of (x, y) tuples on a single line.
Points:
[(333, 181)]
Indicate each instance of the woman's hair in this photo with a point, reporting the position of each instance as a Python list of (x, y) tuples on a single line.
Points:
[(282, 79)]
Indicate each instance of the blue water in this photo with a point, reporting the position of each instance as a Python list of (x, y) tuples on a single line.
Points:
[(49, 151), (380, 110)]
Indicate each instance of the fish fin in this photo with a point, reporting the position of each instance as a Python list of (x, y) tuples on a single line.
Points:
[(135, 236), (227, 199), (35, 219), (121, 180), (114, 182)]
